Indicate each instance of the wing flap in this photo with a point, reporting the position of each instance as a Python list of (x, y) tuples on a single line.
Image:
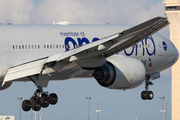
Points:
[(24, 70)]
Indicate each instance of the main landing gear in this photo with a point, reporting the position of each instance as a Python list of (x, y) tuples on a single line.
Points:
[(147, 94), (39, 99)]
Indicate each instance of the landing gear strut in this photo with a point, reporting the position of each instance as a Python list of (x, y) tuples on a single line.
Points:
[(39, 99), (147, 94)]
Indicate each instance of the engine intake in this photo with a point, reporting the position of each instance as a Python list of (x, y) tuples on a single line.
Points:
[(105, 75)]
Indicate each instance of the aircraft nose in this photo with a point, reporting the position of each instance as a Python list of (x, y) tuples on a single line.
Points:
[(176, 54)]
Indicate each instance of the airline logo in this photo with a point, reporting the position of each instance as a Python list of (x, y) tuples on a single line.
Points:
[(81, 39), (144, 47), (150, 63), (164, 45)]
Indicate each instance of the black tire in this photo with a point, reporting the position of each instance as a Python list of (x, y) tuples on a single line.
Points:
[(32, 99), (44, 100), (144, 95), (36, 105), (150, 95), (53, 98), (26, 105)]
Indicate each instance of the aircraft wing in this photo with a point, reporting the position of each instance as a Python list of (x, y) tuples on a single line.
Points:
[(106, 46), (115, 43)]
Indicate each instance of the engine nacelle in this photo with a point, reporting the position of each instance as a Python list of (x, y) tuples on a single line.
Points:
[(121, 73), (6, 85)]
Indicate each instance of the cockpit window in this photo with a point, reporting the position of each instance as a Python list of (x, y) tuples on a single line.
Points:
[(172, 44)]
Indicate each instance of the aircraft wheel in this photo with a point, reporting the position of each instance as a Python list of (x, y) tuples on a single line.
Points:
[(53, 98), (144, 95), (26, 105), (150, 95), (32, 99), (36, 105), (44, 100)]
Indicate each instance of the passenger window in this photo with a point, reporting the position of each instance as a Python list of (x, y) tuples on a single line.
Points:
[(57, 46), (29, 47), (22, 46), (19, 47), (60, 46), (44, 46), (63, 46), (32, 47), (35, 47), (26, 46), (38, 47), (48, 46), (16, 46), (13, 46), (51, 46), (54, 46)]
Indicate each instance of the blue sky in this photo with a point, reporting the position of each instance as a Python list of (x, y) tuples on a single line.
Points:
[(72, 104)]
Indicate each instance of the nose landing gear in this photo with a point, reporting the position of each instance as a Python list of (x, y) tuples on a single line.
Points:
[(147, 94), (39, 99)]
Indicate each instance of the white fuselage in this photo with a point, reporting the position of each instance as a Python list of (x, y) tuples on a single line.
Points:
[(24, 43)]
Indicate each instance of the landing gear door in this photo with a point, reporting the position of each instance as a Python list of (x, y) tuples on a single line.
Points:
[(159, 46)]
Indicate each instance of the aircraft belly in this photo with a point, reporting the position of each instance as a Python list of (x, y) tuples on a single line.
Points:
[(76, 73)]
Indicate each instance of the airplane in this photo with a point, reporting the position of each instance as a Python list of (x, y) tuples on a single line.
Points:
[(117, 56)]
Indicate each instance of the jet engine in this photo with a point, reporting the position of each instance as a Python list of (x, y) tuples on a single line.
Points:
[(6, 85), (120, 73)]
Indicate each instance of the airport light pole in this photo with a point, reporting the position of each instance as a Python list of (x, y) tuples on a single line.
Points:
[(89, 114), (35, 114), (98, 111), (136, 116), (40, 114), (166, 111), (162, 98), (20, 107)]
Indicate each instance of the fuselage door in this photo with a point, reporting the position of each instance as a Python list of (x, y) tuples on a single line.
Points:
[(159, 46)]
